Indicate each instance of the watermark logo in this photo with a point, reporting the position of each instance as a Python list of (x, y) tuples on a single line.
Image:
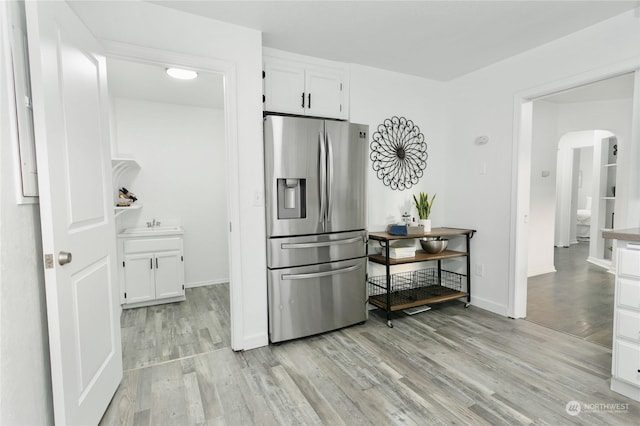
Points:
[(574, 408)]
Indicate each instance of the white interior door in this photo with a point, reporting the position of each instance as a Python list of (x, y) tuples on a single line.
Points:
[(72, 149)]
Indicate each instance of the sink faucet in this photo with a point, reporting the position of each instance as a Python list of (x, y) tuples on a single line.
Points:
[(153, 224)]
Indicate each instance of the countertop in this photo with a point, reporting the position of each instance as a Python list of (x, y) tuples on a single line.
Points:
[(156, 231), (435, 232), (631, 234)]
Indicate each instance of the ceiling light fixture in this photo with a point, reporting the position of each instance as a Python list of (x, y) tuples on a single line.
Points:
[(182, 74)]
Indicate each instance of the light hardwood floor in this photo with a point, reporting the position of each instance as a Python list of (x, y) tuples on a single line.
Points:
[(159, 333), (577, 299), (449, 365)]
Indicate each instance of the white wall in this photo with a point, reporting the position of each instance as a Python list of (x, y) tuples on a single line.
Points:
[(568, 156), (586, 176), (550, 122), (377, 95), (616, 117), (182, 179), (543, 189), (482, 103), (172, 31), (25, 388)]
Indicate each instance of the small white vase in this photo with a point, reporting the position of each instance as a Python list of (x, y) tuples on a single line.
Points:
[(426, 223)]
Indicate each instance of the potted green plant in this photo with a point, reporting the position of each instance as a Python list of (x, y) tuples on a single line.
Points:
[(423, 204)]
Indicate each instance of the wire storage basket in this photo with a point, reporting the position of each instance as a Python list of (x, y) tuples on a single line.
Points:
[(414, 288)]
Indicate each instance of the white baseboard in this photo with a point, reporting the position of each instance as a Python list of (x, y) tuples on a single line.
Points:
[(625, 389), (205, 283), (255, 341), (488, 305), (540, 271), (603, 263)]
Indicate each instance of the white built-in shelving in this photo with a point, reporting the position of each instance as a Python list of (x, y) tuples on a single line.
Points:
[(120, 168)]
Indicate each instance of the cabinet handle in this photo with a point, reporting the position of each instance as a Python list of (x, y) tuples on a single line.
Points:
[(151, 263), (309, 102), (156, 263), (302, 99)]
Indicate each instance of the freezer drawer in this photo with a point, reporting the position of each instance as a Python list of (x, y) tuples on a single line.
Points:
[(311, 249), (313, 299)]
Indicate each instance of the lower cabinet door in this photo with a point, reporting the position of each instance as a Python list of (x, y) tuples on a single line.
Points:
[(313, 299), (627, 362), (139, 277), (169, 274)]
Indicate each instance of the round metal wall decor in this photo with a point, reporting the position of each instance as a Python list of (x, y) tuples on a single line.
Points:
[(399, 153)]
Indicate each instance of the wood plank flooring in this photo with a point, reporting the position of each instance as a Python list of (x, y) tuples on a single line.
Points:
[(449, 365), (171, 331), (577, 299)]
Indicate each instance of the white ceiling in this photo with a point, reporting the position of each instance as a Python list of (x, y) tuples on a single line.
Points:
[(440, 40), (136, 80)]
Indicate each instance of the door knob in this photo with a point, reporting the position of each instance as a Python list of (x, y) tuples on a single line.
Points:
[(64, 257)]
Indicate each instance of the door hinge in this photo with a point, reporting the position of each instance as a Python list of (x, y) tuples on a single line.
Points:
[(182, 258), (48, 261), (125, 294), (123, 263), (183, 286), (341, 87), (27, 102), (264, 99), (264, 74)]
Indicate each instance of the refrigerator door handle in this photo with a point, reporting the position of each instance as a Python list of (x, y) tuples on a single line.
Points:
[(319, 274), (330, 176), (287, 246), (323, 177)]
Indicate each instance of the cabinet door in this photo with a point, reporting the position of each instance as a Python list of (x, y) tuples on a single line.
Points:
[(139, 277), (284, 88), (324, 94), (629, 262), (627, 362), (169, 274)]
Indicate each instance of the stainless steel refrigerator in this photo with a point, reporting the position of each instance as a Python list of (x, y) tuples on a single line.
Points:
[(315, 174)]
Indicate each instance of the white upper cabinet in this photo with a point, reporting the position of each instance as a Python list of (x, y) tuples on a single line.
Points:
[(284, 87), (304, 86)]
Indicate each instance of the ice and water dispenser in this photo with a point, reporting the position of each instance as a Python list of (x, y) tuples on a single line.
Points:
[(292, 200)]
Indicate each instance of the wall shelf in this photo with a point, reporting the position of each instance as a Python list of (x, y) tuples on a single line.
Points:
[(608, 177), (119, 210), (120, 166)]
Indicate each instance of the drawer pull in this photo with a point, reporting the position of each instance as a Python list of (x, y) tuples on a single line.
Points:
[(319, 274), (287, 246)]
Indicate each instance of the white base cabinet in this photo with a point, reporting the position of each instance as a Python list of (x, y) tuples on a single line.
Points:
[(625, 366), (151, 269)]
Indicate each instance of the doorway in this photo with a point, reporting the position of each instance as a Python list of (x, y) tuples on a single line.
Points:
[(565, 273), (175, 131)]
